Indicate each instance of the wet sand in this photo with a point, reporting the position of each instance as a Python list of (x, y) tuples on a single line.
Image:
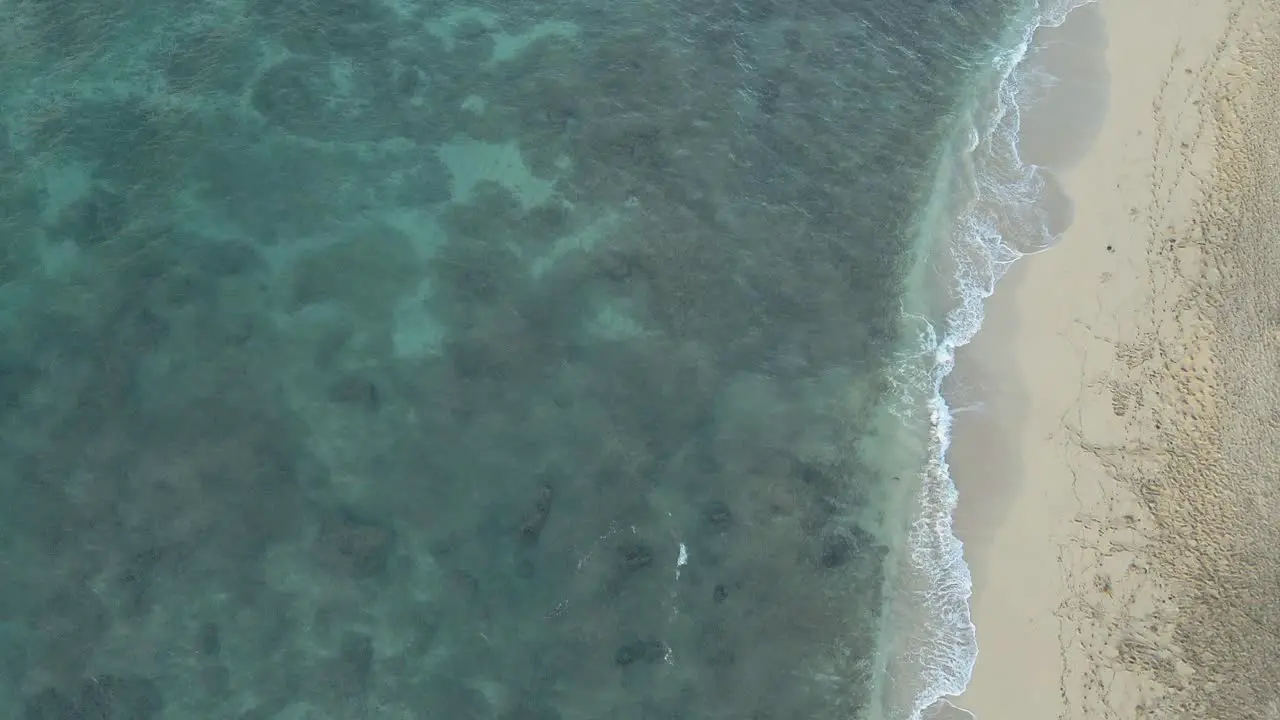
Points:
[(1120, 485)]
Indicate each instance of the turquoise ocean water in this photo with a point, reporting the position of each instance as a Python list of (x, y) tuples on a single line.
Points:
[(527, 361)]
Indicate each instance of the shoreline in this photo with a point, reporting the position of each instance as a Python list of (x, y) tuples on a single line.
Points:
[(1105, 501)]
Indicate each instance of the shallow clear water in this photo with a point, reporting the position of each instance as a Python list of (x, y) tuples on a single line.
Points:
[(403, 360)]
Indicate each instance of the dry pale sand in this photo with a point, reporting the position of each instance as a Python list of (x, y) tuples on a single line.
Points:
[(1126, 549)]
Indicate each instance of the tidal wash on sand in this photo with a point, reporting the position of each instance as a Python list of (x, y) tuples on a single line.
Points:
[(403, 360)]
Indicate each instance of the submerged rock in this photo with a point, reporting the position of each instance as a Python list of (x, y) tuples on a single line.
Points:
[(104, 697), (291, 95), (839, 547), (360, 546), (836, 551), (95, 219), (209, 640), (718, 516), (640, 651), (531, 528), (355, 663), (48, 704), (635, 556), (356, 391), (719, 594)]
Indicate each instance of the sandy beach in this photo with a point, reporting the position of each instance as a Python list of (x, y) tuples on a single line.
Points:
[(1119, 497)]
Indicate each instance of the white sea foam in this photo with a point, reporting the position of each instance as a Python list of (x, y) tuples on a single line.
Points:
[(1000, 221)]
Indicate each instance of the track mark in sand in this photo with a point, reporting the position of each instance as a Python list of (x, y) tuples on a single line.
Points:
[(1117, 609)]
